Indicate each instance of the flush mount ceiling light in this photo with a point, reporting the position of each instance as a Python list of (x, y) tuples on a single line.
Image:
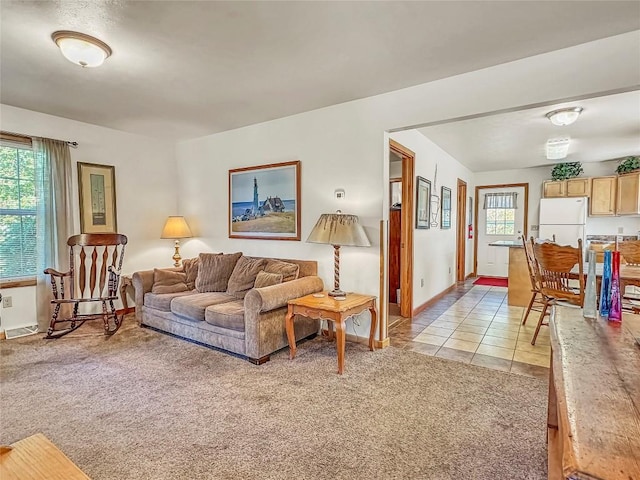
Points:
[(564, 116), (81, 49), (557, 148)]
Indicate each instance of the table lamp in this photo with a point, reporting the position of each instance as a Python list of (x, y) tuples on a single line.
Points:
[(338, 229), (176, 227)]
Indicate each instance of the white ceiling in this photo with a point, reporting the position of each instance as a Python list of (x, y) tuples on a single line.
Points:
[(608, 128), (185, 69)]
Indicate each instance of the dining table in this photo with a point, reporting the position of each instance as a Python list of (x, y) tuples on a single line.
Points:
[(629, 274)]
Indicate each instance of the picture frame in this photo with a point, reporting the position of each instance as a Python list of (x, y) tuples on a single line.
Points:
[(265, 202), (445, 210), (97, 195), (423, 203)]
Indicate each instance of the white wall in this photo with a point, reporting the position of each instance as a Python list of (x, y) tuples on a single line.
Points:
[(145, 190), (535, 177), (434, 249), (345, 146)]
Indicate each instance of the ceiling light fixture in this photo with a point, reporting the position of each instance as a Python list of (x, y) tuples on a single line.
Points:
[(564, 116), (557, 148), (81, 49)]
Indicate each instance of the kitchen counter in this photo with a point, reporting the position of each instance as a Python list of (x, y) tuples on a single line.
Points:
[(507, 243)]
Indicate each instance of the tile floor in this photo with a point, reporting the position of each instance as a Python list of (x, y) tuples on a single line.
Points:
[(473, 324)]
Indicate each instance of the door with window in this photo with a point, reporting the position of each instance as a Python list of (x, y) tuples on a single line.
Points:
[(501, 216)]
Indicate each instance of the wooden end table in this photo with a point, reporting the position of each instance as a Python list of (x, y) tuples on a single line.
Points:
[(334, 311), (36, 458)]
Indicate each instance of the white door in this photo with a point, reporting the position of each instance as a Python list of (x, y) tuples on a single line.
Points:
[(501, 223)]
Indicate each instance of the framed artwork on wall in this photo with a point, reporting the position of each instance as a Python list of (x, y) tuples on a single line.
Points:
[(264, 202), (97, 190), (445, 211), (423, 202)]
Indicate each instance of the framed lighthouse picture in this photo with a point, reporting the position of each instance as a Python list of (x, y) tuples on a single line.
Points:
[(264, 202)]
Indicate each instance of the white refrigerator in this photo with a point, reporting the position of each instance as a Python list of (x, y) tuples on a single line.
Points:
[(565, 218)]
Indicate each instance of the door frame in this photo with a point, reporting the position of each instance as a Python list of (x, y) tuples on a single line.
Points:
[(475, 215), (406, 229), (461, 235)]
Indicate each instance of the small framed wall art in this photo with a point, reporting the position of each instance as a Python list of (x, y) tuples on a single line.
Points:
[(445, 211), (423, 202), (97, 190), (264, 202)]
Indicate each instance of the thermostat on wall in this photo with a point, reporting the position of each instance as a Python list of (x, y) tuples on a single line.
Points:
[(339, 193)]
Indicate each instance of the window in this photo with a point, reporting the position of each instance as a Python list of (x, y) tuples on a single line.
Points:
[(17, 212), (500, 212)]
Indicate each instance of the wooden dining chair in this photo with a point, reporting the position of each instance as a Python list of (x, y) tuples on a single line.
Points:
[(630, 251), (554, 264), (536, 302), (91, 283)]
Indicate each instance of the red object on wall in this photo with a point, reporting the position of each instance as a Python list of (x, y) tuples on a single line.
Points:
[(470, 235)]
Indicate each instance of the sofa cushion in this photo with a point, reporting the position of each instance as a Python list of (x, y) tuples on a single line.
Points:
[(193, 306), (167, 281), (162, 301), (190, 266), (214, 271), (265, 279), (227, 315), (289, 271), (244, 275)]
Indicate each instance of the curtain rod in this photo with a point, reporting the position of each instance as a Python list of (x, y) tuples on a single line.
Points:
[(27, 137)]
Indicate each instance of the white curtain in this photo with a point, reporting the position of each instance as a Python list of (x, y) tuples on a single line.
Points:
[(501, 200), (54, 218)]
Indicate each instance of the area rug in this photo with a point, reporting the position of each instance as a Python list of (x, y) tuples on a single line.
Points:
[(143, 405), (492, 281)]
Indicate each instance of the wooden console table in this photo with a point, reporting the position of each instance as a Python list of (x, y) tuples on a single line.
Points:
[(594, 394), (36, 458), (334, 311)]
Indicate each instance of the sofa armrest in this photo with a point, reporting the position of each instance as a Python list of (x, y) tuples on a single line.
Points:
[(143, 283), (276, 296)]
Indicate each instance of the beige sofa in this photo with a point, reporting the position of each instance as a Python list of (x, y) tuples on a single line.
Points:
[(252, 327)]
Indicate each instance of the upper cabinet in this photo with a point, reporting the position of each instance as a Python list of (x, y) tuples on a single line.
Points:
[(608, 196), (578, 187), (603, 196), (554, 188), (574, 187), (628, 201)]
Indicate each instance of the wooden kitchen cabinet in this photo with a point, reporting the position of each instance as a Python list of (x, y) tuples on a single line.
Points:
[(554, 188), (578, 187), (628, 195), (603, 196)]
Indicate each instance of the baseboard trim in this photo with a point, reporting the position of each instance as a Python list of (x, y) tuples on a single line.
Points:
[(3, 336), (125, 311), (471, 275), (432, 300)]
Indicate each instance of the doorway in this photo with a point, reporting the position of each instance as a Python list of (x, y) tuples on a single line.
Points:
[(501, 213), (400, 240), (461, 237)]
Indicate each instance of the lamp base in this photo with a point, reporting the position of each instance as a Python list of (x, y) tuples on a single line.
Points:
[(337, 293)]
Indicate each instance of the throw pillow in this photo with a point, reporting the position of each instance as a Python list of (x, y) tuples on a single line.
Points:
[(214, 270), (166, 281), (289, 271), (244, 275), (265, 279), (190, 266)]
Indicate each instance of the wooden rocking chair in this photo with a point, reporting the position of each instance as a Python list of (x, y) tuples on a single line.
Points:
[(93, 278)]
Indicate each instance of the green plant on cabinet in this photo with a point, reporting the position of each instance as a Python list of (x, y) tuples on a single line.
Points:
[(563, 171), (629, 164)]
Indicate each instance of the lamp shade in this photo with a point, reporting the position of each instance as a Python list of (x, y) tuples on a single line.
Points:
[(339, 229), (176, 227)]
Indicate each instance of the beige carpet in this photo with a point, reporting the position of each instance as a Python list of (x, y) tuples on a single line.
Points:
[(143, 405)]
